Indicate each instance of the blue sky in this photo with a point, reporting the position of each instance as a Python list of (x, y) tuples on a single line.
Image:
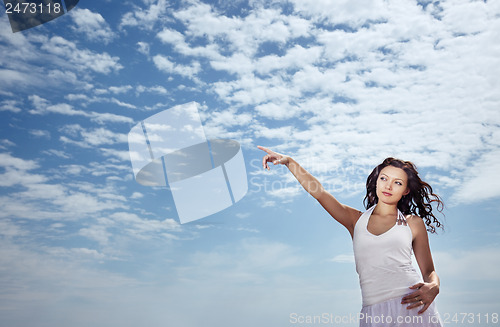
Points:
[(338, 85)]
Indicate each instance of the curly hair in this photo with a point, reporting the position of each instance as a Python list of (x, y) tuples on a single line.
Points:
[(417, 202)]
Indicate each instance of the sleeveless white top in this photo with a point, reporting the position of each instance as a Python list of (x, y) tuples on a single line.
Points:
[(383, 262)]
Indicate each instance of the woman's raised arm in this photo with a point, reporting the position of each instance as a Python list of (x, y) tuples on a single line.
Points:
[(345, 215)]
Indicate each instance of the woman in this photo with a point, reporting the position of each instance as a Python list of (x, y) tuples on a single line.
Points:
[(384, 237)]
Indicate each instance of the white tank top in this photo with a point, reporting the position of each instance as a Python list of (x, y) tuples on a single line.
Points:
[(383, 262)]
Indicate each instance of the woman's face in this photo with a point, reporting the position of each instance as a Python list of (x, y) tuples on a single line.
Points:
[(392, 184)]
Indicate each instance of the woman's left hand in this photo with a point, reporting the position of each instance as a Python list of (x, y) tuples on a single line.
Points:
[(424, 295)]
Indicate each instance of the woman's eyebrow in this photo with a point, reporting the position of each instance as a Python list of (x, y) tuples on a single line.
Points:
[(392, 177)]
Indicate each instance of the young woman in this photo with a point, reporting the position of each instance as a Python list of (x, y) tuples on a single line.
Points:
[(395, 225)]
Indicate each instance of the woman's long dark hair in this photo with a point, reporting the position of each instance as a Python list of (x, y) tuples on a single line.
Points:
[(417, 202)]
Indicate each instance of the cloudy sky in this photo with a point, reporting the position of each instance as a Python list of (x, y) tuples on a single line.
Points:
[(339, 85)]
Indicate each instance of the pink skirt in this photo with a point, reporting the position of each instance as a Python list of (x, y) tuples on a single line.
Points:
[(392, 313)]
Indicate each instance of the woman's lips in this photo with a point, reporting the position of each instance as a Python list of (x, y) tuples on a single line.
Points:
[(386, 194)]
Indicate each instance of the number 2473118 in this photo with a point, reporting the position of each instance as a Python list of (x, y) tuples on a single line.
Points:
[(470, 318), (33, 8)]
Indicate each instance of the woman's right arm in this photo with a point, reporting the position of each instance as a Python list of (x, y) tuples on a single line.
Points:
[(345, 215)]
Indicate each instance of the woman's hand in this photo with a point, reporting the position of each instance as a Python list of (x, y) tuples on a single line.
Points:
[(424, 295), (273, 157)]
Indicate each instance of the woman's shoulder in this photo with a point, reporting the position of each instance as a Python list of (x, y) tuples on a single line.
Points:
[(415, 220), (355, 215), (416, 224)]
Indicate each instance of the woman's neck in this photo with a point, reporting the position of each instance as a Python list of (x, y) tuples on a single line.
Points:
[(384, 209)]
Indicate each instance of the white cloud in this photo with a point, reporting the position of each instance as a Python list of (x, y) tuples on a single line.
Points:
[(251, 260), (245, 35), (137, 195), (143, 47), (146, 18), (146, 229), (60, 108), (295, 58), (45, 275), (237, 63), (171, 36), (67, 77), (268, 203), (479, 179), (40, 133), (343, 258), (92, 25), (9, 229), (118, 154), (87, 100), (36, 60), (230, 117), (178, 40), (18, 43), (165, 65), (10, 105), (27, 66), (468, 265), (280, 133), (120, 89), (252, 90), (249, 230), (8, 161), (283, 190), (36, 198), (5, 144), (275, 111), (81, 253), (57, 153), (12, 78), (371, 72), (109, 117), (243, 215), (81, 59), (96, 233), (352, 14), (43, 107), (100, 136), (158, 89), (465, 16)]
